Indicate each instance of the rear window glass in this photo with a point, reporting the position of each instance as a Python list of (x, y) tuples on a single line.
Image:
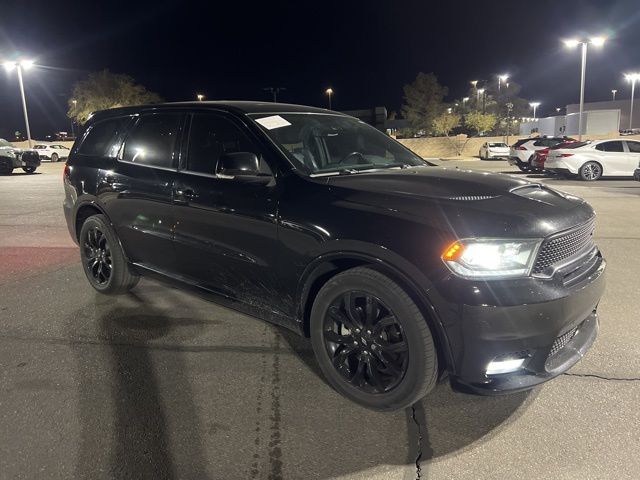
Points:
[(499, 145), (152, 141), (101, 137), (576, 145), (520, 142)]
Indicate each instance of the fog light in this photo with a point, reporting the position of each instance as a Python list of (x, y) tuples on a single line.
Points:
[(504, 366)]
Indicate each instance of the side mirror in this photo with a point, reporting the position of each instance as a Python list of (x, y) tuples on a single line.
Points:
[(239, 164)]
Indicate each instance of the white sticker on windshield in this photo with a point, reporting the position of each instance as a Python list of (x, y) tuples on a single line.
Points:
[(274, 121)]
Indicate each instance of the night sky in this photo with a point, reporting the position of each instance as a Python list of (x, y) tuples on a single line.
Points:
[(365, 50)]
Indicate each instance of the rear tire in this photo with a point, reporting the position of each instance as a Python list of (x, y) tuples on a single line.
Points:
[(371, 341), (590, 171), (54, 157), (103, 260), (29, 170)]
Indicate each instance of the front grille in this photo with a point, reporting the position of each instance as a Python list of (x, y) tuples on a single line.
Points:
[(561, 341), (557, 249)]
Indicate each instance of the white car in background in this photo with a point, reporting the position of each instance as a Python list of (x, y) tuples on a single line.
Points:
[(54, 151), (522, 152), (494, 150), (593, 160)]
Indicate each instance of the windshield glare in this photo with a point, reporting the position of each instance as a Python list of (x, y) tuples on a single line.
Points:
[(321, 143)]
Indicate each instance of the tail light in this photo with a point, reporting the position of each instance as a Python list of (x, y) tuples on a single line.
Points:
[(520, 148), (66, 171), (544, 151), (566, 154)]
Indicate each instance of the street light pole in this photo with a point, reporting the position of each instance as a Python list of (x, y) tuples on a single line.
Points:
[(632, 77), (73, 133), (598, 42), (535, 106), (582, 78), (329, 92), (19, 65)]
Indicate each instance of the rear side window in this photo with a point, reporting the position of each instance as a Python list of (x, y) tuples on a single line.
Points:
[(153, 139), (520, 142), (610, 147), (101, 137), (634, 147)]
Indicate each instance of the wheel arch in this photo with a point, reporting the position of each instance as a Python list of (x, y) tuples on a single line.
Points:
[(326, 266), (83, 212), (592, 160)]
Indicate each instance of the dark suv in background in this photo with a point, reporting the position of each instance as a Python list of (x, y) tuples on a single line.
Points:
[(401, 273)]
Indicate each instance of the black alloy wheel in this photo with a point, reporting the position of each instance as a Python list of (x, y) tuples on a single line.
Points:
[(29, 170), (97, 254), (371, 341), (365, 342), (103, 260)]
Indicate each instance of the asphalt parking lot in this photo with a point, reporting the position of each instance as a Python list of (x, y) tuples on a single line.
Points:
[(162, 384)]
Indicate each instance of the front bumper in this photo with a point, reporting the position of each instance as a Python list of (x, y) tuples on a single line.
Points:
[(549, 323), (26, 159), (559, 166)]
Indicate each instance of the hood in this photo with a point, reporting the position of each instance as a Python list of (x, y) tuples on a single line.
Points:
[(471, 203)]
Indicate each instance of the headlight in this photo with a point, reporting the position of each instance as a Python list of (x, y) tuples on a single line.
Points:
[(491, 258)]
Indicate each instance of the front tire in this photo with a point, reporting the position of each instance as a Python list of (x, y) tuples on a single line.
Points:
[(590, 171), (103, 260), (29, 170), (54, 157), (371, 341)]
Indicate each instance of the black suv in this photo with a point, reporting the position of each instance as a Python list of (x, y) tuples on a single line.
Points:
[(400, 272)]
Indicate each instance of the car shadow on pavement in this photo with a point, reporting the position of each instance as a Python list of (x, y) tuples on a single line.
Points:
[(441, 424), (140, 416)]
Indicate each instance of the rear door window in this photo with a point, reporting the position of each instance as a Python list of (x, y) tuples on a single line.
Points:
[(610, 147), (152, 141), (100, 139)]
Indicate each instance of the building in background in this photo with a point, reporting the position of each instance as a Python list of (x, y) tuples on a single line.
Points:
[(376, 116), (599, 118), (623, 105)]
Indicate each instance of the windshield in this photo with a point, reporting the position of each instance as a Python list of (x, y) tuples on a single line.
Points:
[(321, 143), (4, 143)]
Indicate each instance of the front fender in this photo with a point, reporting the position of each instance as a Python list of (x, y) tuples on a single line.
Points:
[(387, 262)]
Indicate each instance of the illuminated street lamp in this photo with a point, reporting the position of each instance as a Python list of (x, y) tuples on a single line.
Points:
[(572, 43), (613, 94), (632, 77), (502, 79), (474, 83), (200, 97), (329, 92), (19, 66), (535, 106)]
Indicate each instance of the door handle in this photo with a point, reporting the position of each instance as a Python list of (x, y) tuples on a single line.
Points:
[(184, 195)]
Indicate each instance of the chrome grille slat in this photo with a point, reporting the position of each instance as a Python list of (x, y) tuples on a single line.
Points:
[(556, 249)]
